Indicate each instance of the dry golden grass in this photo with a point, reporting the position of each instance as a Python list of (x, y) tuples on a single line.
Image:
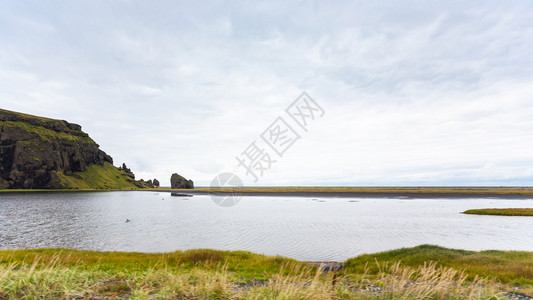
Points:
[(54, 281), (375, 190), (211, 274)]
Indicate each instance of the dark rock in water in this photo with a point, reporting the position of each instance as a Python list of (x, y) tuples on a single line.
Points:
[(328, 266), (33, 149), (180, 195), (179, 182), (156, 183)]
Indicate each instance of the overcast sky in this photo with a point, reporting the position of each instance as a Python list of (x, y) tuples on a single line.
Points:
[(439, 93)]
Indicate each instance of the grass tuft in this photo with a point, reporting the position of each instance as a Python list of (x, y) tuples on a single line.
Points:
[(203, 256)]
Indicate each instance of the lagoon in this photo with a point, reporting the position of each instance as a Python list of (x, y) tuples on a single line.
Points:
[(304, 228)]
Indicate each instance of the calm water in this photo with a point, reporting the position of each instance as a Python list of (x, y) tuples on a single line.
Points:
[(298, 227)]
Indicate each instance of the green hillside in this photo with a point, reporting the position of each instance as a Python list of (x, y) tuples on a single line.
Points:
[(107, 177)]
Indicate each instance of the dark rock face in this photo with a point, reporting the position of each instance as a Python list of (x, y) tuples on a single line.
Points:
[(149, 183), (156, 182), (34, 149), (179, 182)]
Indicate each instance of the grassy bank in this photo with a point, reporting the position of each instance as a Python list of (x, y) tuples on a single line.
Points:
[(511, 267), (427, 272), (501, 211)]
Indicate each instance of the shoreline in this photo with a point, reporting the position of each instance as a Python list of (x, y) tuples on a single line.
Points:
[(381, 195), (366, 192), (430, 249), (329, 192)]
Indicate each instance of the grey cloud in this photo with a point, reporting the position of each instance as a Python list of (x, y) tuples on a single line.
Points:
[(415, 93)]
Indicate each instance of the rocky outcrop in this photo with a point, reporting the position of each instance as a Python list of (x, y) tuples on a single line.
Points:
[(156, 182), (127, 170), (179, 182), (35, 152), (144, 184)]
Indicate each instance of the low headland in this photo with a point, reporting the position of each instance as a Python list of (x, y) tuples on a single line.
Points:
[(422, 272)]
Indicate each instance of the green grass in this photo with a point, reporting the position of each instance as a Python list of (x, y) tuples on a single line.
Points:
[(27, 116), (242, 263), (102, 177), (501, 211), (46, 134), (426, 272), (512, 267)]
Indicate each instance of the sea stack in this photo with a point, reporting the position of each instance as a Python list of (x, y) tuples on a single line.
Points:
[(179, 182)]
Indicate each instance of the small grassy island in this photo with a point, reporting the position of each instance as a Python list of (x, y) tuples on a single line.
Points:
[(501, 211), (428, 272)]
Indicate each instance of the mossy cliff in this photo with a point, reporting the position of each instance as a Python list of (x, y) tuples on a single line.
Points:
[(37, 153)]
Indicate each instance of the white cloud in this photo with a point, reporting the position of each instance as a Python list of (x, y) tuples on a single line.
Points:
[(435, 93)]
